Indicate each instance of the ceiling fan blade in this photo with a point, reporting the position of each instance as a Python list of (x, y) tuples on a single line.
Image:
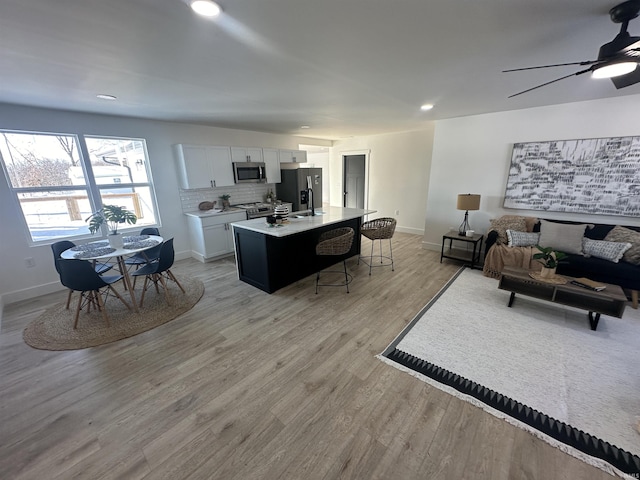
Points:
[(552, 81), (586, 62), (633, 46), (626, 80)]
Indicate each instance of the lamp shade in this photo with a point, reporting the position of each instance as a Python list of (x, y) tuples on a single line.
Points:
[(468, 201)]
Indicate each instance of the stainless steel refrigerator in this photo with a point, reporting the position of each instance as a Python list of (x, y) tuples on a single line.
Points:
[(295, 181)]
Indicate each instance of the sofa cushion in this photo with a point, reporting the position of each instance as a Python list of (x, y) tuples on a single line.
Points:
[(611, 251), (562, 237), (507, 222), (624, 235), (522, 239)]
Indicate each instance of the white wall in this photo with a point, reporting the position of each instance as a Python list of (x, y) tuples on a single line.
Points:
[(398, 175), (472, 155), (18, 282)]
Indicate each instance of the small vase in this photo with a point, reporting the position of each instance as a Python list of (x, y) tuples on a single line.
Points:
[(548, 272), (115, 240)]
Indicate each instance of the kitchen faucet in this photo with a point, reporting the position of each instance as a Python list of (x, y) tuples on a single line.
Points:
[(310, 195)]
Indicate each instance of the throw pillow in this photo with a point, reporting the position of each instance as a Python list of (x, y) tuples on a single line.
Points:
[(522, 239), (562, 237), (502, 224), (626, 235), (611, 251), (530, 222)]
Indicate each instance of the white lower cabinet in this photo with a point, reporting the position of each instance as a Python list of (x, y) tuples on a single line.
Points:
[(212, 237)]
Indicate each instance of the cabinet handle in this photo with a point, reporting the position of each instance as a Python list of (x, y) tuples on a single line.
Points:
[(211, 182), (248, 158)]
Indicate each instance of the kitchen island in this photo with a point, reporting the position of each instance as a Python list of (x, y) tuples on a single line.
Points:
[(272, 257)]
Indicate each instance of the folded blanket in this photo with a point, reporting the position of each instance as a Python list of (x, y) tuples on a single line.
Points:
[(500, 256)]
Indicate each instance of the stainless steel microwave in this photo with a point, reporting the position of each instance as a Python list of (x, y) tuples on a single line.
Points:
[(249, 172)]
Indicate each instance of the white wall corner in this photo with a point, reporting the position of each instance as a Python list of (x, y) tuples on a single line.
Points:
[(431, 246)]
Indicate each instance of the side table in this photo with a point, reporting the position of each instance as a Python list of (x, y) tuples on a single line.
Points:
[(459, 254)]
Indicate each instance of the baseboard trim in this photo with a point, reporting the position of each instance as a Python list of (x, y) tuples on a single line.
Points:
[(413, 231), (431, 246), (46, 288), (31, 292)]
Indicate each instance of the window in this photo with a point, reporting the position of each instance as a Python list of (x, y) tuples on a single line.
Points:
[(60, 179)]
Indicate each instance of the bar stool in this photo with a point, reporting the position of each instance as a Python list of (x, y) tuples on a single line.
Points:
[(379, 229), (335, 242)]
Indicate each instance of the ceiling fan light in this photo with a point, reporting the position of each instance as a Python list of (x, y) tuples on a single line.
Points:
[(614, 70), (206, 8)]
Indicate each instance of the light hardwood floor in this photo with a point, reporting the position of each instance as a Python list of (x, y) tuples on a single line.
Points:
[(248, 385)]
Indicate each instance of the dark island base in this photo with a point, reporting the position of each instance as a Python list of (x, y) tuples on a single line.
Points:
[(270, 263)]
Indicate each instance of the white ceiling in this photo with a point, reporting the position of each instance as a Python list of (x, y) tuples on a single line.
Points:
[(343, 67)]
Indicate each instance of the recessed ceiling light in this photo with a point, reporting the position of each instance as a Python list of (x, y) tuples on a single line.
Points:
[(206, 8), (104, 96), (305, 126), (426, 106)]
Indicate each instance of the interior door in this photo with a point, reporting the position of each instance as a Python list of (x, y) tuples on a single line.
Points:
[(353, 180)]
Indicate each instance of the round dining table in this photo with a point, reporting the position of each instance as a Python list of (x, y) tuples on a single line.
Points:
[(100, 250)]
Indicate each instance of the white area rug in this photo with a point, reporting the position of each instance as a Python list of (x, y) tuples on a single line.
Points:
[(540, 354)]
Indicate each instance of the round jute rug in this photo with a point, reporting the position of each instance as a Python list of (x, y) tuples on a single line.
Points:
[(53, 330)]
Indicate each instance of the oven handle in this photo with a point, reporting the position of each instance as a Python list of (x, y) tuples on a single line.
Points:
[(259, 215)]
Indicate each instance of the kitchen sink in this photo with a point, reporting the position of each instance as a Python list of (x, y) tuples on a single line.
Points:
[(307, 214)]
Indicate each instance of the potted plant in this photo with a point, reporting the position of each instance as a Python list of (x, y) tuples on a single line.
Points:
[(225, 201), (112, 216), (549, 258)]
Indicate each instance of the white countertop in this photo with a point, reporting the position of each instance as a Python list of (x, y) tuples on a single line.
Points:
[(212, 212), (297, 225)]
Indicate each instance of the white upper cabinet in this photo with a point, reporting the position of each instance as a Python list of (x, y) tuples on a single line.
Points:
[(246, 154), (222, 167), (272, 164), (202, 166), (293, 156)]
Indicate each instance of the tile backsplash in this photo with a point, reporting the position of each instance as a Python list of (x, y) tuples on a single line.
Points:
[(243, 193)]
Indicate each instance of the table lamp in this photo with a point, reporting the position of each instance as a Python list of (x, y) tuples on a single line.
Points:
[(467, 201)]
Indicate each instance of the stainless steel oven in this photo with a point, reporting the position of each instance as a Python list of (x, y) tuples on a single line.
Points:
[(257, 210)]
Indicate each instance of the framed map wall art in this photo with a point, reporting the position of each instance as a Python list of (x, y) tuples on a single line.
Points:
[(596, 175)]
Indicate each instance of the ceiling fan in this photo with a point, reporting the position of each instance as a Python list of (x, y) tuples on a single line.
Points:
[(617, 59)]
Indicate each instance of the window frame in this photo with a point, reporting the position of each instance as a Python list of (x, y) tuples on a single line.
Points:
[(91, 187)]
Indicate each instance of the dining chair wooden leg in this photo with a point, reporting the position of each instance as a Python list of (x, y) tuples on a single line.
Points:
[(69, 299), (167, 295), (115, 292), (89, 302), (155, 281), (175, 280), (144, 289), (102, 308), (75, 321)]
